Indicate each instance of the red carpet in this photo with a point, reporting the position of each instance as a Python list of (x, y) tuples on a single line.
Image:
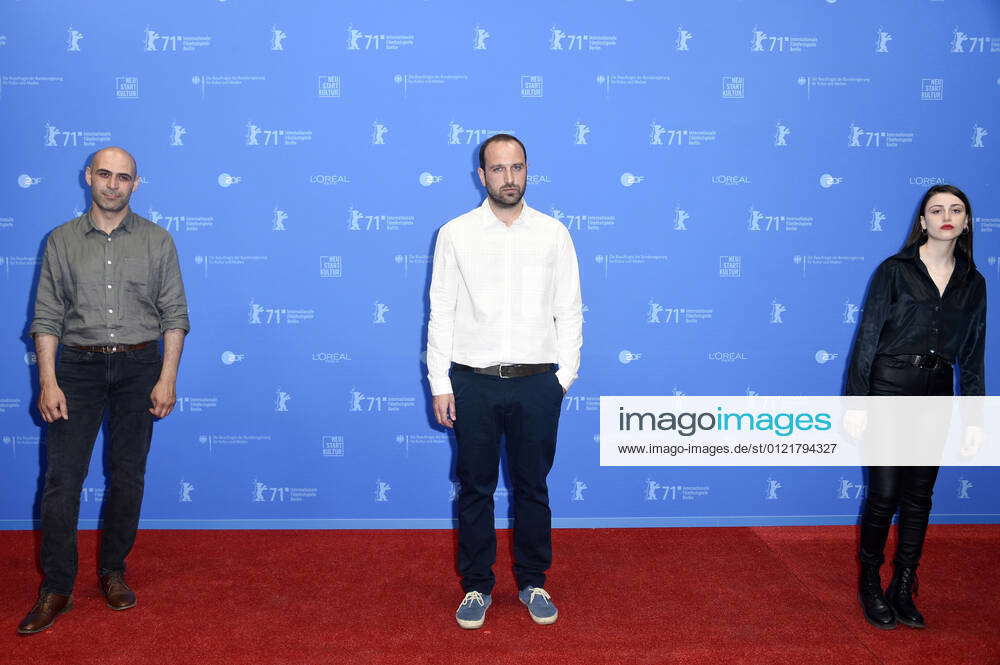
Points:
[(636, 596)]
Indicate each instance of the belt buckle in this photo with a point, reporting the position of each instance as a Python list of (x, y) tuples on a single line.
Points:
[(500, 371)]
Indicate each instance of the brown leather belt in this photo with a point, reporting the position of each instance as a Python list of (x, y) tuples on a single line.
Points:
[(925, 361), (112, 348), (506, 371)]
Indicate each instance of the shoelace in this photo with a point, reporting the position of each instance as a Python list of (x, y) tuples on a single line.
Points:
[(871, 582), (116, 583), (909, 582), (473, 596), (538, 591)]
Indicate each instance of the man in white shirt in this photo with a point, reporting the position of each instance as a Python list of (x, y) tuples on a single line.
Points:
[(505, 305)]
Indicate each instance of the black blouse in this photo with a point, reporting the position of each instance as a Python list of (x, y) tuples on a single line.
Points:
[(905, 314)]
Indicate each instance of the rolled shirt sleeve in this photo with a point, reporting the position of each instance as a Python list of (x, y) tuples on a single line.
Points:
[(171, 302), (50, 301)]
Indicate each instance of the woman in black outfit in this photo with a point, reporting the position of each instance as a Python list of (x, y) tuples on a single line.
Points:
[(925, 311)]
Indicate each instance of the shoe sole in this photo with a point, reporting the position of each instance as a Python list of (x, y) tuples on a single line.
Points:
[(472, 625), (907, 622), (544, 621), (541, 621), (119, 609), (880, 626), (63, 611)]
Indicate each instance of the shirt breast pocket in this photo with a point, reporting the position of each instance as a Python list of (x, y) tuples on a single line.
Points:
[(537, 269), (535, 279), (135, 281), (536, 289), (135, 270)]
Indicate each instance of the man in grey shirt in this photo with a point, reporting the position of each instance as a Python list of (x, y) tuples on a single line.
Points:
[(109, 287)]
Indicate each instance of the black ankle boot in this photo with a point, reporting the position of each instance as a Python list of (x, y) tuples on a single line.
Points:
[(876, 608), (900, 595)]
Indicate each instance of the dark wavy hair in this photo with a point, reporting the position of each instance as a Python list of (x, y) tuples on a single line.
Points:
[(494, 139), (963, 244)]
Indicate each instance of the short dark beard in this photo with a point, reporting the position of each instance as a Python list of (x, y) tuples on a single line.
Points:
[(123, 205), (123, 200), (500, 203)]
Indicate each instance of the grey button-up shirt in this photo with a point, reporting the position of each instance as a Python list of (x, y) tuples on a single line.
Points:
[(97, 289)]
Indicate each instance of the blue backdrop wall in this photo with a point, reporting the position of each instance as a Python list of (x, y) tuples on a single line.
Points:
[(731, 171)]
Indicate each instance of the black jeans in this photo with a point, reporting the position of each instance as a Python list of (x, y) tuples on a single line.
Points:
[(119, 383), (906, 488), (526, 411)]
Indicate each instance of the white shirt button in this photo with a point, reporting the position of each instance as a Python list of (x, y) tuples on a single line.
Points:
[(109, 286), (109, 262), (111, 311)]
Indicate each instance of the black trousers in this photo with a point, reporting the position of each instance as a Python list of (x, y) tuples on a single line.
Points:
[(907, 489), (93, 383), (525, 411)]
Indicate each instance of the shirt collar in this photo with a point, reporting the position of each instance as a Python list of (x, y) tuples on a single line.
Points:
[(86, 225), (911, 253), (489, 218)]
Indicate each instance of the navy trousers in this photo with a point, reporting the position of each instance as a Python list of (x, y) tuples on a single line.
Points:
[(525, 412), (95, 383)]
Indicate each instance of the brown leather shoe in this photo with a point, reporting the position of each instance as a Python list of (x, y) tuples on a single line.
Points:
[(44, 613), (116, 592)]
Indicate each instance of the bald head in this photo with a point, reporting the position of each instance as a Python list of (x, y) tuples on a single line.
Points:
[(112, 179), (113, 156)]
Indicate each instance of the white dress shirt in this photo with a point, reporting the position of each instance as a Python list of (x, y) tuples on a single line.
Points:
[(504, 294)]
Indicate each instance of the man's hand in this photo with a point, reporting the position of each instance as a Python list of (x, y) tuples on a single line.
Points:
[(444, 410), (52, 403), (164, 393), (164, 396), (855, 422)]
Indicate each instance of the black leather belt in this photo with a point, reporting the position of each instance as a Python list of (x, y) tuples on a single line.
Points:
[(925, 361), (506, 371), (112, 348)]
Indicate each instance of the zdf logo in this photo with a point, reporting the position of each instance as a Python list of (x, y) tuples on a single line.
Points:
[(826, 181)]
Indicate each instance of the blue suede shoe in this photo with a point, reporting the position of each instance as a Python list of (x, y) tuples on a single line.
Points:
[(539, 603), (472, 612)]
